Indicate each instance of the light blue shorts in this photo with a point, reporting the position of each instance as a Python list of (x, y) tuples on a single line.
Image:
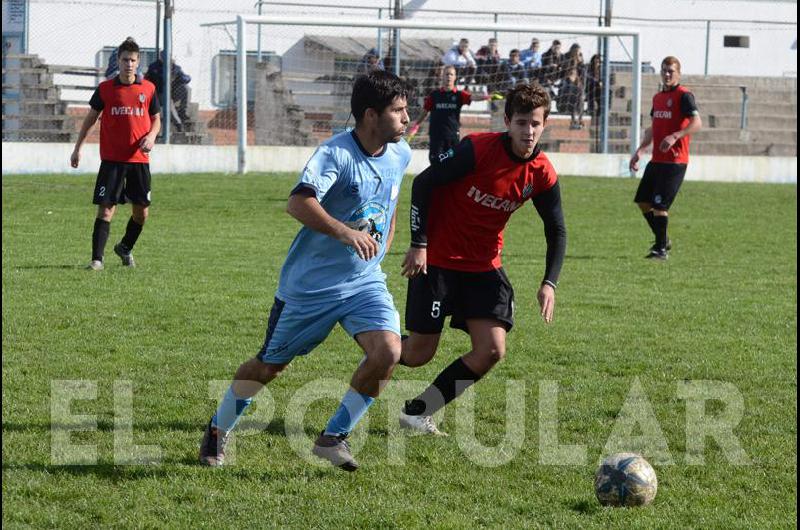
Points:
[(296, 328)]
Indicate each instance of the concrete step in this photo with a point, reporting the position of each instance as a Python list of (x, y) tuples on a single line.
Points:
[(744, 148), (38, 135)]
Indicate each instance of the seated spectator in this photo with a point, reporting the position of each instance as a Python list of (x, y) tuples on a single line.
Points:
[(574, 59), (178, 81), (461, 57), (531, 57), (515, 70), (552, 61), (370, 62), (570, 98), (489, 66)]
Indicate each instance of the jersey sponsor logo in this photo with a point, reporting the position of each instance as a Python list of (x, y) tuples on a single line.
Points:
[(446, 106), (369, 218), (127, 111), (415, 224), (665, 114), (492, 201)]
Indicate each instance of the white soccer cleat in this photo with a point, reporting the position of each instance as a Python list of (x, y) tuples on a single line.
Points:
[(419, 424), (95, 265)]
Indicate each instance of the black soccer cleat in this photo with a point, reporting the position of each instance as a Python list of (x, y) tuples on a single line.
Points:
[(658, 254), (124, 254), (212, 448), (668, 247)]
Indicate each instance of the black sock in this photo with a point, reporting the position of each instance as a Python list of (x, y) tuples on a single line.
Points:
[(660, 228), (99, 238), (131, 234), (649, 216), (447, 386)]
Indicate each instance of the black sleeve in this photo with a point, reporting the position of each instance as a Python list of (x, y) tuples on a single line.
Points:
[(97, 102), (155, 106), (442, 172), (548, 204), (688, 105)]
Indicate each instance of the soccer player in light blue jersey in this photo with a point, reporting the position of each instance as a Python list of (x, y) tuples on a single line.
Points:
[(346, 199)]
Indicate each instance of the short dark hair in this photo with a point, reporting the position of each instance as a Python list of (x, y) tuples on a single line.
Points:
[(128, 45), (525, 97), (375, 90)]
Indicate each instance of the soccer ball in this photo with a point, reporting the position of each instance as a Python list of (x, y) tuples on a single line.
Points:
[(625, 479)]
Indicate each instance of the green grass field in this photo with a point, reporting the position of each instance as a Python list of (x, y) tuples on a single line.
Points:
[(723, 309)]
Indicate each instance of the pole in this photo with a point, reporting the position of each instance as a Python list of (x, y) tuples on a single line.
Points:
[(166, 76), (636, 96), (708, 45), (745, 98), (398, 14), (495, 21), (241, 92), (158, 28), (606, 84), (379, 47), (258, 52)]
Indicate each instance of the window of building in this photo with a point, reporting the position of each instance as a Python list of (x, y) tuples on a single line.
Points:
[(736, 41)]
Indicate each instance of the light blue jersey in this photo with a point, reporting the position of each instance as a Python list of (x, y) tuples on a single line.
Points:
[(359, 190)]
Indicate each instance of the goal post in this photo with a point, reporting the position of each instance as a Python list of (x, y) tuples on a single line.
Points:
[(242, 21)]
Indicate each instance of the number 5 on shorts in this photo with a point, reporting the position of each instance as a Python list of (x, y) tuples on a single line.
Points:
[(436, 308)]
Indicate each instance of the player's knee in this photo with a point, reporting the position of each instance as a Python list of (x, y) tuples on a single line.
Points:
[(493, 354), (140, 216), (645, 206), (386, 356)]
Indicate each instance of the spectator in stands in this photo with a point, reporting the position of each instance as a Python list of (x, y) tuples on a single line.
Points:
[(515, 70), (370, 62), (179, 91), (574, 59), (489, 66), (461, 57), (594, 86), (532, 59), (444, 106), (552, 61), (570, 98)]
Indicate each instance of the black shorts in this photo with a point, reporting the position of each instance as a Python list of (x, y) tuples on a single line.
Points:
[(122, 182), (439, 146), (660, 184), (464, 295)]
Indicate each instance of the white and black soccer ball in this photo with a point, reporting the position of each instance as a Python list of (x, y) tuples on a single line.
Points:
[(625, 479)]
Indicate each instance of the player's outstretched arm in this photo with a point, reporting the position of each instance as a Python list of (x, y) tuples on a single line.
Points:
[(86, 126), (305, 207)]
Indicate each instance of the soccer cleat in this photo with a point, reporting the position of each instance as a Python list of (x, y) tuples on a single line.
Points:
[(335, 450), (125, 255), (212, 448), (668, 247), (95, 265), (659, 254), (419, 424)]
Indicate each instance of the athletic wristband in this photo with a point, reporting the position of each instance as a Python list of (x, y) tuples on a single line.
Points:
[(414, 244), (551, 284)]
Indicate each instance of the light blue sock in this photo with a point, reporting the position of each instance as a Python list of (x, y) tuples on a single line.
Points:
[(350, 410), (230, 410)]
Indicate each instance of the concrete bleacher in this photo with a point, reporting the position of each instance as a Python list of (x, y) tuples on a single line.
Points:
[(771, 115), (35, 109)]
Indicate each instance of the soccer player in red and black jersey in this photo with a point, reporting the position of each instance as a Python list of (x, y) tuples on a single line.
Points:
[(459, 209), (444, 106), (675, 118), (131, 120)]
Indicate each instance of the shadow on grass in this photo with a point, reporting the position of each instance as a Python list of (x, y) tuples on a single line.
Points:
[(584, 507), (110, 472), (49, 267), (103, 425)]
